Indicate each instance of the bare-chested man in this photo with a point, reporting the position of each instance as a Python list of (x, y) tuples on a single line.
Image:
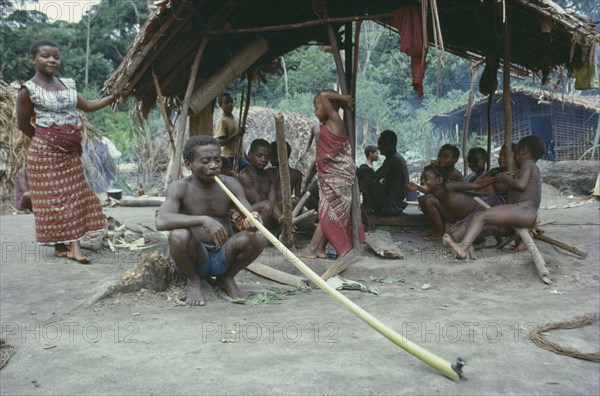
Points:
[(258, 182), (523, 200), (196, 211)]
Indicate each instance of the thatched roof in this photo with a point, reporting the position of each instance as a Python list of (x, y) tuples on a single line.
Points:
[(543, 36), (591, 103)]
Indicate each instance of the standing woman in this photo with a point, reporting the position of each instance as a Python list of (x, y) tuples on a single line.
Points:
[(64, 207)]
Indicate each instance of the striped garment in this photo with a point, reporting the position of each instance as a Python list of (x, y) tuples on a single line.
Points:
[(337, 172), (64, 206)]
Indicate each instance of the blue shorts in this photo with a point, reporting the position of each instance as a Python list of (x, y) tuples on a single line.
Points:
[(214, 264)]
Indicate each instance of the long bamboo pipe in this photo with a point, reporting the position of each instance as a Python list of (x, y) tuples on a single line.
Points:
[(419, 352)]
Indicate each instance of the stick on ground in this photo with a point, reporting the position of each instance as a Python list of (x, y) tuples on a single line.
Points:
[(419, 352)]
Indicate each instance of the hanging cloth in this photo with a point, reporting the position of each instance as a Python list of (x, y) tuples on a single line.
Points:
[(408, 21)]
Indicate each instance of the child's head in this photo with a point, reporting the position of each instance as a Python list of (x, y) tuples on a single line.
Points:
[(477, 158), (431, 176), (225, 166), (274, 153), (502, 160), (226, 102), (366, 177), (533, 145), (371, 152), (387, 142), (448, 156), (260, 153), (318, 103)]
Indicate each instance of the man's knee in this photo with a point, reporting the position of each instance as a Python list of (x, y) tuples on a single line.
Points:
[(180, 237), (249, 239)]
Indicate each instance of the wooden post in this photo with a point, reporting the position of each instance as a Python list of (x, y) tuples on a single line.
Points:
[(506, 98), (163, 109), (467, 116), (489, 130), (284, 177), (176, 170), (242, 124)]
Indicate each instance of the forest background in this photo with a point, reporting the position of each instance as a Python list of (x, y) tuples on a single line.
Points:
[(384, 99)]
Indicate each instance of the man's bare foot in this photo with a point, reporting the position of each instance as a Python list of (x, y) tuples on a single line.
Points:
[(229, 286), (195, 294), (458, 251)]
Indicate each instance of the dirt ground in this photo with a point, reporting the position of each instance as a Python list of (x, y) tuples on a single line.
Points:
[(147, 343)]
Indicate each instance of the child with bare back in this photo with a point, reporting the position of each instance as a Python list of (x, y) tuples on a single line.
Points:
[(258, 182), (196, 211), (455, 197), (501, 188), (295, 181), (522, 203), (447, 157)]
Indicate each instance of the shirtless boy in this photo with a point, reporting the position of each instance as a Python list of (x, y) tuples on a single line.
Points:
[(454, 197), (196, 211), (430, 205), (258, 182), (523, 200)]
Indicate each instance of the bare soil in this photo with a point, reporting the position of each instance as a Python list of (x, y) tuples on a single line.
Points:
[(147, 343)]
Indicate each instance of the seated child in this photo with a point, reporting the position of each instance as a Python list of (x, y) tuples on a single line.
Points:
[(22, 193), (295, 181), (477, 159), (522, 203), (447, 157), (454, 197), (372, 155), (258, 183), (501, 188)]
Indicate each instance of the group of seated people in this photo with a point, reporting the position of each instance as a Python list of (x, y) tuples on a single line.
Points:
[(448, 199)]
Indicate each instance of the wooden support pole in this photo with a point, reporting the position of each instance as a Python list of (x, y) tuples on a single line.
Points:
[(284, 177), (176, 170), (239, 140), (523, 233), (467, 117), (163, 109), (506, 98), (489, 130)]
